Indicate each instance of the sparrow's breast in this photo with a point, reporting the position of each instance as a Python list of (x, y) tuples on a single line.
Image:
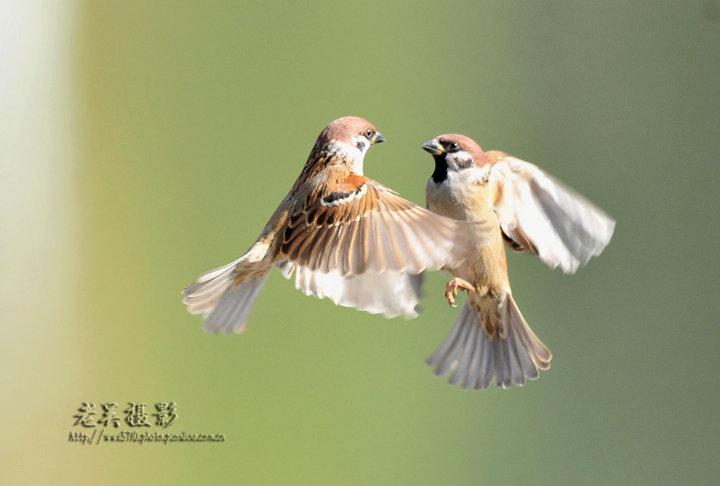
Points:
[(459, 200), (473, 202)]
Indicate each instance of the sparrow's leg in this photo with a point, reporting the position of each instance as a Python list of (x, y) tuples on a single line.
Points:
[(451, 289)]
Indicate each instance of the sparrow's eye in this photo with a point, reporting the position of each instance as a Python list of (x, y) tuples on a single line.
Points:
[(453, 147), (369, 134)]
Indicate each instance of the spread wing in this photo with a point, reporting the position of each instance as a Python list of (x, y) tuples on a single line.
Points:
[(360, 226), (348, 239), (539, 214)]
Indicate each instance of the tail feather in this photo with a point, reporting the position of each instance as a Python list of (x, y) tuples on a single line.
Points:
[(447, 355), (537, 351), (232, 311), (476, 359), (226, 295)]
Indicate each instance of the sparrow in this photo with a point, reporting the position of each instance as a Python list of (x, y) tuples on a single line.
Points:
[(346, 237), (518, 205)]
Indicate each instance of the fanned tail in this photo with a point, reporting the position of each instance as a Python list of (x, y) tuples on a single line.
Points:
[(227, 294), (509, 355)]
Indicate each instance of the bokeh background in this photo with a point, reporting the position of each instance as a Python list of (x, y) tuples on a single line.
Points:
[(143, 143)]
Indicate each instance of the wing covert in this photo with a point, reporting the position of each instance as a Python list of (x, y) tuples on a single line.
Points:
[(362, 226)]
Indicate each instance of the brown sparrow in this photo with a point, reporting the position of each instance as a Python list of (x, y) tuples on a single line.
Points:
[(346, 237), (516, 203)]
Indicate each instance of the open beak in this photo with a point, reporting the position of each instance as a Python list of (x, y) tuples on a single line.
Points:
[(433, 146), (378, 138)]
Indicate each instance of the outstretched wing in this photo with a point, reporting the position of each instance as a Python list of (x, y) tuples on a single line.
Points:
[(539, 214), (360, 226)]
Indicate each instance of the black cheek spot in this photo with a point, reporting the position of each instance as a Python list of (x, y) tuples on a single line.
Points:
[(462, 160)]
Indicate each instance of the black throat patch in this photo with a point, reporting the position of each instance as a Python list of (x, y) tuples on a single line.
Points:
[(440, 172)]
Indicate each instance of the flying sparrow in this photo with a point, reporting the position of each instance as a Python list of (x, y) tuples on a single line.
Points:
[(346, 237), (514, 203)]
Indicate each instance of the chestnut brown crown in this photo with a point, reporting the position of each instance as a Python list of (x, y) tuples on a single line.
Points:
[(345, 129), (448, 141)]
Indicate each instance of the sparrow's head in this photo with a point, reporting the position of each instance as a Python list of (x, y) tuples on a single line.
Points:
[(454, 153), (348, 139)]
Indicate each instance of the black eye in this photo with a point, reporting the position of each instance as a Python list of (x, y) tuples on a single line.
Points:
[(369, 134), (453, 147)]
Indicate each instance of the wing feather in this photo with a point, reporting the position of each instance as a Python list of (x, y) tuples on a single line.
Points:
[(540, 214), (392, 254), (367, 227)]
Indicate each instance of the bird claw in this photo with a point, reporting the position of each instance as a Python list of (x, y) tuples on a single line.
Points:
[(451, 289)]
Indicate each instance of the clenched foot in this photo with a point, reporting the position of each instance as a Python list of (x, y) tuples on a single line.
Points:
[(451, 289)]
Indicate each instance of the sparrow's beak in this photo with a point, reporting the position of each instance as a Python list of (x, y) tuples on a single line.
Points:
[(378, 138), (433, 146)]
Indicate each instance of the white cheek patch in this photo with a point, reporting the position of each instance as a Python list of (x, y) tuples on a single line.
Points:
[(361, 143), (350, 153)]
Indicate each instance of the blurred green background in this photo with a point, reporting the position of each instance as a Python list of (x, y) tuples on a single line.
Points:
[(143, 143)]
